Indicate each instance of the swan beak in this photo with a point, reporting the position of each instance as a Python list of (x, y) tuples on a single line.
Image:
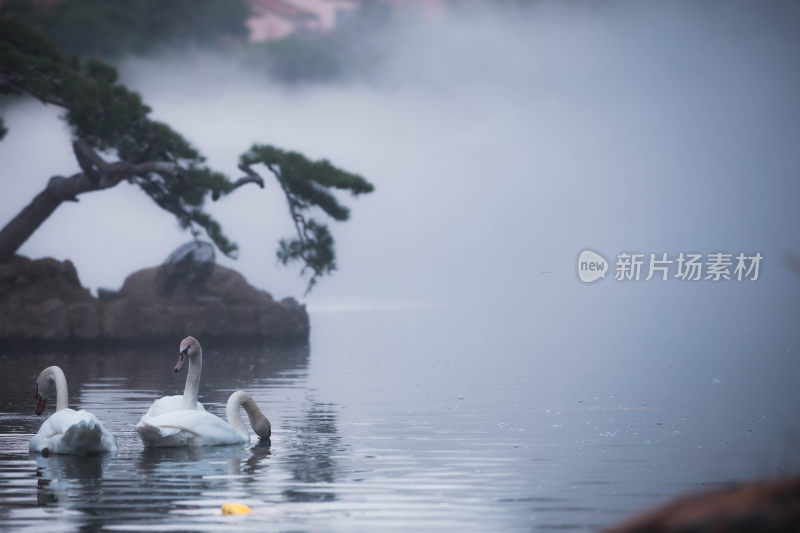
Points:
[(181, 360), (40, 402)]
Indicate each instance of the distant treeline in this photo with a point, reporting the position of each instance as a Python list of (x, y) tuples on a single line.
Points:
[(110, 31)]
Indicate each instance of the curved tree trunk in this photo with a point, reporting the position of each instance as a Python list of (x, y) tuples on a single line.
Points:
[(25, 223), (97, 175), (22, 226)]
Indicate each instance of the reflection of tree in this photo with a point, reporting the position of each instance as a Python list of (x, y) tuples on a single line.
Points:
[(314, 444), (238, 367)]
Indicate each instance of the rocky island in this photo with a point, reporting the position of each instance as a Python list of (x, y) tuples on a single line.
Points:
[(43, 302)]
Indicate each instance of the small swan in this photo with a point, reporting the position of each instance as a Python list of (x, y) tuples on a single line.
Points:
[(189, 350), (66, 431), (200, 428)]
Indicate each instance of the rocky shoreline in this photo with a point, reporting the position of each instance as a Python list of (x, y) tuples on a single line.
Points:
[(42, 303)]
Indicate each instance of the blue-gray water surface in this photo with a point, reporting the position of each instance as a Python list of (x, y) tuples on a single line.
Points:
[(412, 419)]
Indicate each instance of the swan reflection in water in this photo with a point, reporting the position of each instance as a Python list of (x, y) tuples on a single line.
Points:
[(65, 478), (159, 483), (83, 482), (191, 471)]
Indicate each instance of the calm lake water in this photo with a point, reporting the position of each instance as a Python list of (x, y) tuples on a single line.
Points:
[(431, 419)]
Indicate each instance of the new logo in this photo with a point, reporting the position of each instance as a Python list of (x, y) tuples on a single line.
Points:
[(591, 266)]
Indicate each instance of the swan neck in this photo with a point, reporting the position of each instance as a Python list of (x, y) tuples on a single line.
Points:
[(235, 415), (57, 375), (258, 421), (192, 381)]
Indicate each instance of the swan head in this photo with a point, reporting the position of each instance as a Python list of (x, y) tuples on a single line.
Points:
[(262, 427), (189, 349), (44, 386)]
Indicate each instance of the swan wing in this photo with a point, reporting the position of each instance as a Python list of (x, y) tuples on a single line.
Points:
[(186, 428), (168, 404), (72, 432)]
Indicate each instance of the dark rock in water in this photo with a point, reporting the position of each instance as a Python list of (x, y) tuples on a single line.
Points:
[(186, 269), (43, 300), (763, 506), (226, 305)]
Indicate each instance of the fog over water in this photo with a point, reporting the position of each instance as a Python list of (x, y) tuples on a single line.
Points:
[(501, 143), (455, 357)]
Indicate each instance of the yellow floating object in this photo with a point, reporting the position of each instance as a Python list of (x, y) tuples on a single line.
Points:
[(234, 508)]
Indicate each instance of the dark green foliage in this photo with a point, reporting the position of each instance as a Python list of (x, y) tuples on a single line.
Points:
[(306, 185), (111, 119), (305, 181), (315, 250), (110, 28)]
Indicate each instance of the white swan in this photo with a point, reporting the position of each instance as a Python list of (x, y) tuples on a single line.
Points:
[(189, 427), (66, 431), (183, 421), (190, 350)]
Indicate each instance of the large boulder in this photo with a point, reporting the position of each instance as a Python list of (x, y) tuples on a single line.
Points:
[(771, 506), (43, 300), (226, 305), (25, 281), (35, 298), (186, 270)]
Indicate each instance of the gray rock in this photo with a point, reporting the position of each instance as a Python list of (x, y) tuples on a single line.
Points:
[(186, 269), (43, 300), (107, 294), (85, 320)]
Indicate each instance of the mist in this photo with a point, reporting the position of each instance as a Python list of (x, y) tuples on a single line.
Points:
[(456, 364), (501, 143)]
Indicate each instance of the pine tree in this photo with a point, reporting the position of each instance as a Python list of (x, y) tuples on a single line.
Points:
[(115, 140)]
